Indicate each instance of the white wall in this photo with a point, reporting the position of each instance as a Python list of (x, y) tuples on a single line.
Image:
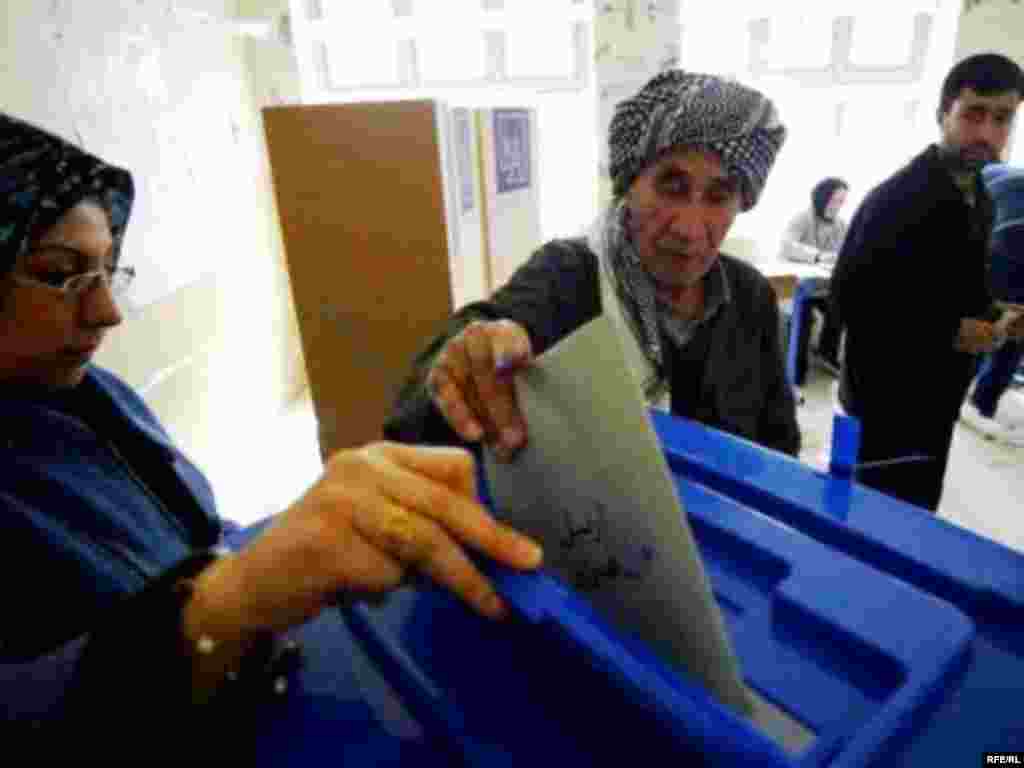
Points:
[(993, 25), (273, 79), (856, 83), (711, 35), (170, 97), (631, 45)]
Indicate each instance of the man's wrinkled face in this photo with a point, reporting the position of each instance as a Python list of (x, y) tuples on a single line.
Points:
[(680, 210)]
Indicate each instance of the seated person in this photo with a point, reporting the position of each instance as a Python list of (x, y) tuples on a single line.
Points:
[(116, 577), (688, 152), (814, 237)]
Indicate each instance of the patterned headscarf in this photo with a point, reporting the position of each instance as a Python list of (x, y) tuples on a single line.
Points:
[(42, 177), (682, 109)]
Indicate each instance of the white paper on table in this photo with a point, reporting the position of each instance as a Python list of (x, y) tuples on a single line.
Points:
[(593, 487)]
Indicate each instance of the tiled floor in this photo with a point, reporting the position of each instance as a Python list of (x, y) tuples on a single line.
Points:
[(984, 485)]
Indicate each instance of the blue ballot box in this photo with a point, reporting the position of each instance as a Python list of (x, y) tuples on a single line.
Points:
[(983, 709), (892, 638)]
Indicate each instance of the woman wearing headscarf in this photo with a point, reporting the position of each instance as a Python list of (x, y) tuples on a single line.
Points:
[(814, 237), (816, 234), (687, 153), (120, 609)]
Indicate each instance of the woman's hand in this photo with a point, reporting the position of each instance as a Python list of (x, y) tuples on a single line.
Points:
[(376, 514)]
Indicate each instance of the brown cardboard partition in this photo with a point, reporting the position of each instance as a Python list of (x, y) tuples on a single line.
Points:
[(361, 198)]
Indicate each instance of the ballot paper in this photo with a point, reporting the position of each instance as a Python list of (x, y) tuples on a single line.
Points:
[(593, 487)]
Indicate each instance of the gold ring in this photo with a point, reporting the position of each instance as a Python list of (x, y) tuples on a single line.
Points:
[(401, 534)]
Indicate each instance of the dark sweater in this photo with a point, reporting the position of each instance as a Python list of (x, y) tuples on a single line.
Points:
[(742, 389), (913, 265)]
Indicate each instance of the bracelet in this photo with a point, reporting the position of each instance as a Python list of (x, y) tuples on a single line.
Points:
[(266, 662), (138, 653), (182, 580)]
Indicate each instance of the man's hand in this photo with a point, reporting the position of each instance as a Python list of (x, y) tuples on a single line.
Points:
[(471, 384), (1011, 325), (977, 337)]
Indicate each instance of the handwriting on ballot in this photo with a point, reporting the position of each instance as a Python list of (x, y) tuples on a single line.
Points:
[(584, 551), (593, 488)]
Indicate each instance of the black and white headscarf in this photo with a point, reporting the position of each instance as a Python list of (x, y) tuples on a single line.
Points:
[(678, 109), (683, 109), (42, 177)]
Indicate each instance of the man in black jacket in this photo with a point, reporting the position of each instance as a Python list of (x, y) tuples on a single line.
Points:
[(687, 153), (911, 287)]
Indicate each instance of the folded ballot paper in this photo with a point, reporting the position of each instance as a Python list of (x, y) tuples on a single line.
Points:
[(593, 487)]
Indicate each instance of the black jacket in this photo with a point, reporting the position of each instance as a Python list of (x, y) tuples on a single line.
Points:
[(743, 391), (914, 264)]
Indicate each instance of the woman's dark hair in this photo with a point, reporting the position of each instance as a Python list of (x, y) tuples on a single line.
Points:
[(822, 193)]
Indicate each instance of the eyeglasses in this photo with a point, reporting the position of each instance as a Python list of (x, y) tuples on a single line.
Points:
[(117, 279)]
